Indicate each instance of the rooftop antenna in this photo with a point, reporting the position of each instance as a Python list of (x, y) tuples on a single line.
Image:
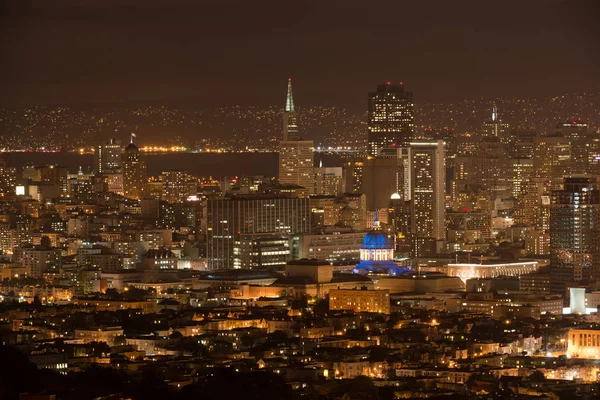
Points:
[(132, 136)]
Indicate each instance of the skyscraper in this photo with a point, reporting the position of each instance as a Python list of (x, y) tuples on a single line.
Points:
[(583, 145), (575, 228), (107, 156), (423, 187), (134, 172), (391, 117), (8, 179), (296, 156), (290, 118), (427, 188), (496, 129)]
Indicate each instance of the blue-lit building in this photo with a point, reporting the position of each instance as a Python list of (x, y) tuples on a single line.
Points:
[(377, 254)]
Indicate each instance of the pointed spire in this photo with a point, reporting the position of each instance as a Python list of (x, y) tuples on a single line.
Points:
[(289, 101), (494, 113), (376, 223)]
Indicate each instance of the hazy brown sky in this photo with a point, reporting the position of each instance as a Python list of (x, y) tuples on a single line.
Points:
[(226, 52)]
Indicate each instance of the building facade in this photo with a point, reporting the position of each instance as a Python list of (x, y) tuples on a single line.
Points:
[(574, 228), (134, 173), (391, 117), (228, 219)]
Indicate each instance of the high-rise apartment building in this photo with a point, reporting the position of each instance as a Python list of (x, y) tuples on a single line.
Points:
[(228, 219), (107, 156), (575, 228), (175, 186), (391, 117), (296, 156), (134, 173), (8, 179)]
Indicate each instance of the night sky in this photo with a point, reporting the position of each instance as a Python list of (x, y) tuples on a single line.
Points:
[(242, 52)]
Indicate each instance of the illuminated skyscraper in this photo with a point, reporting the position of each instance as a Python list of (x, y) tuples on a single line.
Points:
[(423, 187), (134, 172), (391, 117), (290, 118), (575, 228), (427, 188), (495, 128), (107, 156), (296, 156), (552, 159)]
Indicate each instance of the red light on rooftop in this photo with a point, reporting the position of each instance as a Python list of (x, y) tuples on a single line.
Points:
[(466, 209), (389, 83), (401, 83)]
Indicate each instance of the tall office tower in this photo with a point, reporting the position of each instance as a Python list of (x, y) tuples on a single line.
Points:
[(575, 228), (107, 156), (552, 159), (391, 117), (427, 187), (353, 172), (228, 219), (296, 165), (423, 184), (134, 173), (296, 156), (329, 181), (290, 118), (174, 186), (519, 173), (8, 179), (495, 128), (582, 144)]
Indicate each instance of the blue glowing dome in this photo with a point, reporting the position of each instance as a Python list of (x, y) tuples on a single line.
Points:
[(376, 240)]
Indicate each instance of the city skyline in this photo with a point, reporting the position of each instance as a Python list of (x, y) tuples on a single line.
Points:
[(416, 216)]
